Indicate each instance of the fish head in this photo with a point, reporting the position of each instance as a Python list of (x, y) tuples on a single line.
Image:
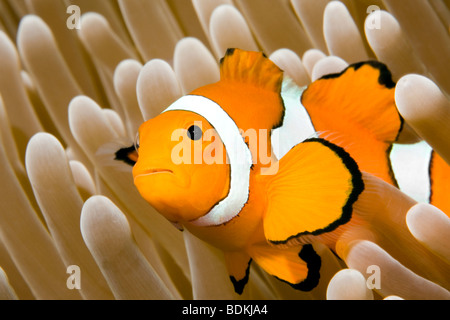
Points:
[(181, 168), (195, 159)]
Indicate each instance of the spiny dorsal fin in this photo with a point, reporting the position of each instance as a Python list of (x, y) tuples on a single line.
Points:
[(251, 67)]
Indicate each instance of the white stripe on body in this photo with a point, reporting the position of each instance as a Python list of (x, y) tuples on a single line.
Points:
[(410, 163), (297, 125)]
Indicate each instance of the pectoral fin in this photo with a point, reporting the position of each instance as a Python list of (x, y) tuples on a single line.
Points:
[(313, 192)]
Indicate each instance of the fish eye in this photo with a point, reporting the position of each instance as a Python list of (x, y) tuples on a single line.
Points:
[(136, 142), (194, 132)]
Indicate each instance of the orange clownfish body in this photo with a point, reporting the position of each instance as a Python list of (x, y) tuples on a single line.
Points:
[(240, 165), (237, 195)]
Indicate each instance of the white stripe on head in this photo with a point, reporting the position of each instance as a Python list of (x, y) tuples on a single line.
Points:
[(238, 153)]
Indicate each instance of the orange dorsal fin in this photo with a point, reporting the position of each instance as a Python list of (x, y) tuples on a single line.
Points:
[(251, 67), (358, 105), (361, 98)]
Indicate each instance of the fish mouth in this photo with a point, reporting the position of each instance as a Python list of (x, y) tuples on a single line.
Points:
[(152, 171)]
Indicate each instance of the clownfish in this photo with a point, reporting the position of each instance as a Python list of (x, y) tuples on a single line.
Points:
[(256, 166)]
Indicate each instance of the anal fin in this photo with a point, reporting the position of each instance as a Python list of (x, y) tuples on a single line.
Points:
[(238, 266), (299, 266)]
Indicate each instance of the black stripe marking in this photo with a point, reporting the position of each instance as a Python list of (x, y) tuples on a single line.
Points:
[(229, 52), (347, 209), (430, 175), (389, 162), (283, 113), (239, 285), (313, 263), (385, 77)]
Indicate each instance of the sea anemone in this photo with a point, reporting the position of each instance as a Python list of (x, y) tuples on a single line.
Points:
[(75, 88)]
